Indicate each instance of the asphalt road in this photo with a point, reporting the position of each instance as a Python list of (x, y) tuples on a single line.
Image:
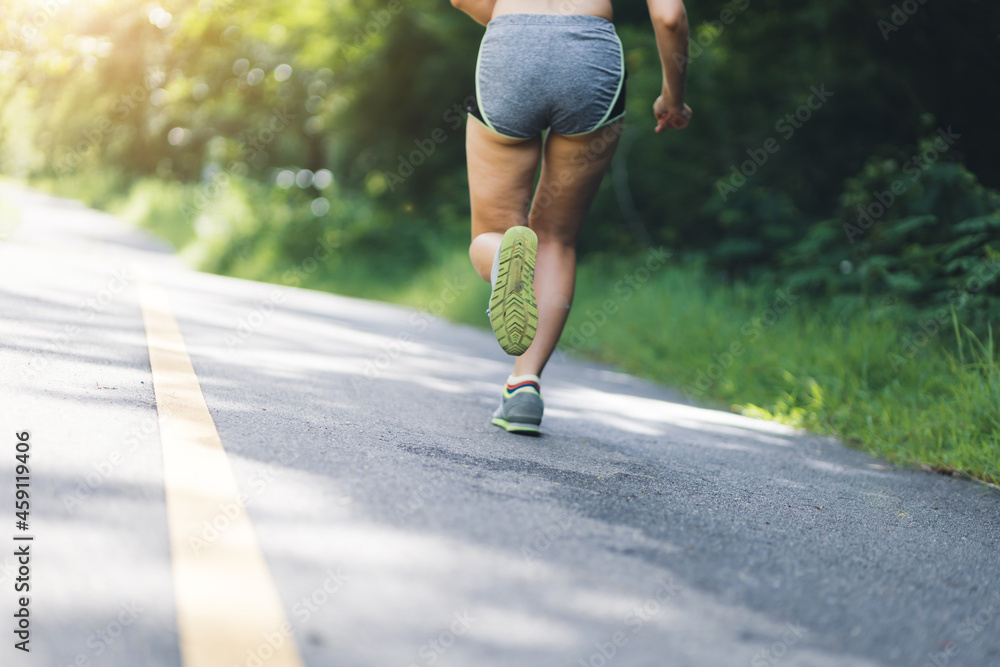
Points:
[(400, 528)]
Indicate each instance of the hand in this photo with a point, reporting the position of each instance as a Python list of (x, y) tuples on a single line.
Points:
[(670, 115)]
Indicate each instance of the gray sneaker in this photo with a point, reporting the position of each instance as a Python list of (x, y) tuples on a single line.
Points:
[(521, 408)]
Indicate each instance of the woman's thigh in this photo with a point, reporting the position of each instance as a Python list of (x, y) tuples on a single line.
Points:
[(572, 169), (501, 175)]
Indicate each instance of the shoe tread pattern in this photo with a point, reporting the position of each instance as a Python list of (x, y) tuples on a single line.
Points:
[(513, 311)]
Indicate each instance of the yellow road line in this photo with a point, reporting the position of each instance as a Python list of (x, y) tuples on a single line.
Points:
[(228, 609)]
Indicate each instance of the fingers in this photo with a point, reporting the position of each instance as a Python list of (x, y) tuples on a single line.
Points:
[(670, 120)]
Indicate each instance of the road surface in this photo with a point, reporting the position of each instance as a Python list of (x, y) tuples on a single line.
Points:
[(227, 473)]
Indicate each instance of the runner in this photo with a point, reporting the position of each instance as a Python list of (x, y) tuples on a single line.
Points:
[(552, 67)]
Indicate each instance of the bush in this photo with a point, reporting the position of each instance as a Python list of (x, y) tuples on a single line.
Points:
[(919, 236)]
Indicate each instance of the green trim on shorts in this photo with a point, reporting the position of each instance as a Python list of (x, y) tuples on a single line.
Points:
[(485, 123), (479, 101), (621, 82)]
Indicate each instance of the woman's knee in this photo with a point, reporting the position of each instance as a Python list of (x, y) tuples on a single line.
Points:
[(555, 240)]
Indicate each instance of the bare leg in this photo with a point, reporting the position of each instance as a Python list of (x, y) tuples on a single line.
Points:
[(501, 175), (572, 169)]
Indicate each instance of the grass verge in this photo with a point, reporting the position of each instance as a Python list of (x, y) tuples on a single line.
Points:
[(767, 352)]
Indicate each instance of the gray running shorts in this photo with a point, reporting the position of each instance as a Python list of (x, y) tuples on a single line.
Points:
[(538, 71)]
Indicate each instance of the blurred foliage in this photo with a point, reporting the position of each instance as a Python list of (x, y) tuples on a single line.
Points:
[(923, 239), (270, 125)]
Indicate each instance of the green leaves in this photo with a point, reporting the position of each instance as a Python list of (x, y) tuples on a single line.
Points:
[(924, 241)]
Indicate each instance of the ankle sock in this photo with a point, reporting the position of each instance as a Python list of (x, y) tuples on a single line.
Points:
[(493, 277), (517, 383), (496, 268)]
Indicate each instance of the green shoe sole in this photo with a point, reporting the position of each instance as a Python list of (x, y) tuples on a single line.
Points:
[(513, 312), (514, 427)]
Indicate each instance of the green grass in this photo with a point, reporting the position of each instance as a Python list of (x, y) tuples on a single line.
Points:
[(853, 375)]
